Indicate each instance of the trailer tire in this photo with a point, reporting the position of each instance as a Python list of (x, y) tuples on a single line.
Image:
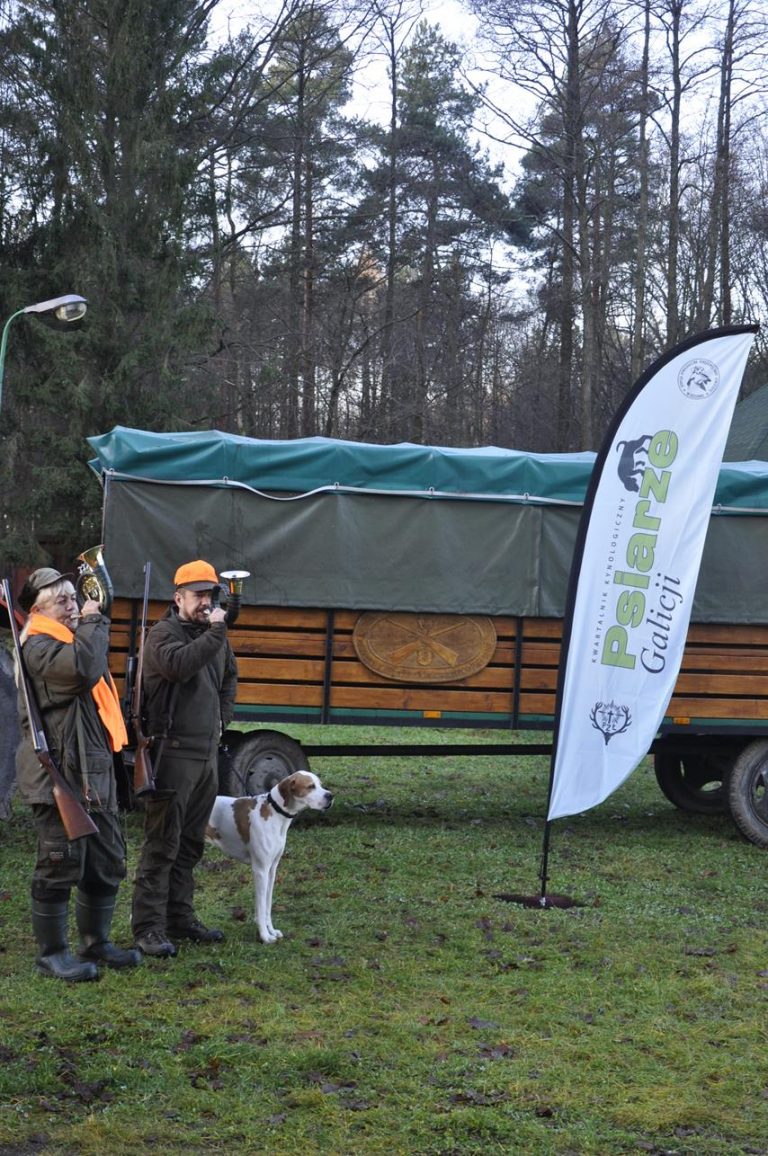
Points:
[(694, 782), (262, 759), (748, 792)]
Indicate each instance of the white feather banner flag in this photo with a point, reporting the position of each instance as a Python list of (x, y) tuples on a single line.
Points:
[(636, 564)]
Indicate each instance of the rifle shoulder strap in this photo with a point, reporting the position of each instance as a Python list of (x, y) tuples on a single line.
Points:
[(82, 755), (170, 707)]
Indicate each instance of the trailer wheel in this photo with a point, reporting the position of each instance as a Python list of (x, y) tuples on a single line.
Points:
[(263, 759), (748, 792), (694, 782)]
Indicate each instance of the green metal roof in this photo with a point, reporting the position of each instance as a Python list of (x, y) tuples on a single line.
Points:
[(305, 465)]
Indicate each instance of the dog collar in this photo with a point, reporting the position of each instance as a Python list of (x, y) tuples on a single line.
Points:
[(280, 810)]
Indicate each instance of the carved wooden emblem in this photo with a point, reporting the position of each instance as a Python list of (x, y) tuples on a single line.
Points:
[(424, 647)]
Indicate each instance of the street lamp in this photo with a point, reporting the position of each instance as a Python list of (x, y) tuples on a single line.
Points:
[(59, 312)]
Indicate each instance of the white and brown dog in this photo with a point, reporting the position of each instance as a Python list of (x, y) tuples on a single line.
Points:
[(254, 829)]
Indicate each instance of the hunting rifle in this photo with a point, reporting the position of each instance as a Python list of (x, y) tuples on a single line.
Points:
[(143, 778), (75, 819)]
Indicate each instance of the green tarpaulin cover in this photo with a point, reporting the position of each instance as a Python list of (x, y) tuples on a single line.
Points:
[(307, 464), (349, 525)]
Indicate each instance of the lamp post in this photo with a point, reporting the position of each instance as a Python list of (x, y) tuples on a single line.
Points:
[(59, 312)]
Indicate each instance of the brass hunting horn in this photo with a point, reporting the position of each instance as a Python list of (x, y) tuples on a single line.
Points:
[(235, 580), (93, 580)]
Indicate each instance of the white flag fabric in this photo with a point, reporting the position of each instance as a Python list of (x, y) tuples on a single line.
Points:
[(636, 564)]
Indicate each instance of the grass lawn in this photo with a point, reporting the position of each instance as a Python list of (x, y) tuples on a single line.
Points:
[(409, 1010)]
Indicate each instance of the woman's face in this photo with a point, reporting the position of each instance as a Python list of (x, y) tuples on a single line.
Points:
[(60, 604)]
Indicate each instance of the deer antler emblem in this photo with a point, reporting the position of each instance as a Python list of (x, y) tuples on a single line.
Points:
[(610, 719)]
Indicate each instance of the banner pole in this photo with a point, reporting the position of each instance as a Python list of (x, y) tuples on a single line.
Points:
[(545, 863), (543, 901)]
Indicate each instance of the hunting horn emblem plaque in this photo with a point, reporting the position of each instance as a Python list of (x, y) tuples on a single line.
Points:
[(424, 647)]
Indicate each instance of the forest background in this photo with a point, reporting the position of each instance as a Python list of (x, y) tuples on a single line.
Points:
[(262, 257)]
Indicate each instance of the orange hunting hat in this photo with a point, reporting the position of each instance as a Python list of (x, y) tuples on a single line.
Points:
[(196, 575)]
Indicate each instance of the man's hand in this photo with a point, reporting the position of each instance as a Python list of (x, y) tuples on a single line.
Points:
[(90, 606), (217, 615)]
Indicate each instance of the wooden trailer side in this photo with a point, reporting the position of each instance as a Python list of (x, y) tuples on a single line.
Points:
[(303, 664)]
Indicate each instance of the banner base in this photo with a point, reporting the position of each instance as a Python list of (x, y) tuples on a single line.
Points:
[(541, 901)]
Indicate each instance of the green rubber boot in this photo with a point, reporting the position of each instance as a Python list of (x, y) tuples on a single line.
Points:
[(49, 924), (94, 922)]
